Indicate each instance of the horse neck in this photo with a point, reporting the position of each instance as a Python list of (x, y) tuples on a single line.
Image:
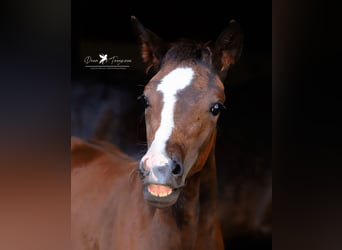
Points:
[(201, 188)]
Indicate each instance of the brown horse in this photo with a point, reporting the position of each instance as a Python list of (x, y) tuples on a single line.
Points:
[(168, 199)]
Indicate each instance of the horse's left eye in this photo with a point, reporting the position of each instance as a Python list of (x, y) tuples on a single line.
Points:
[(144, 100), (216, 108)]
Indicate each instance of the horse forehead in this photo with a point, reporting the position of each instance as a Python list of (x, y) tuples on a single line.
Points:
[(176, 80), (171, 81)]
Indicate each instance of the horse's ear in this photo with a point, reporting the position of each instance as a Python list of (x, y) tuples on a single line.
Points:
[(153, 47), (228, 48)]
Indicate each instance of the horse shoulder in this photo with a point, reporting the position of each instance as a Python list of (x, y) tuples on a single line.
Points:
[(100, 181)]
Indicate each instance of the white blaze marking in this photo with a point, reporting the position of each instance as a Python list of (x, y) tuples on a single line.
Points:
[(169, 86)]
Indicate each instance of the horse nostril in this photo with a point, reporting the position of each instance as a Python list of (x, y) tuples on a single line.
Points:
[(142, 169), (177, 169)]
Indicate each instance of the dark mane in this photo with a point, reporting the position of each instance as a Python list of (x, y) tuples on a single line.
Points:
[(185, 50)]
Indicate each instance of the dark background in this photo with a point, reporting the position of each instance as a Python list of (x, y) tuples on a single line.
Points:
[(104, 102)]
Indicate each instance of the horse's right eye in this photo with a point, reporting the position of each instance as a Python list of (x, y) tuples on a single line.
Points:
[(144, 100)]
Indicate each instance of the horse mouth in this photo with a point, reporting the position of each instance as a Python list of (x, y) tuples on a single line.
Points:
[(161, 196), (159, 190)]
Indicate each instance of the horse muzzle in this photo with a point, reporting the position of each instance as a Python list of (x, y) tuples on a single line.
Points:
[(162, 183)]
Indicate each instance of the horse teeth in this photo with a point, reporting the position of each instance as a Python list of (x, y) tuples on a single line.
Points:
[(159, 195), (159, 190)]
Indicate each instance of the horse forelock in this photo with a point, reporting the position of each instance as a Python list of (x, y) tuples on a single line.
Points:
[(188, 50)]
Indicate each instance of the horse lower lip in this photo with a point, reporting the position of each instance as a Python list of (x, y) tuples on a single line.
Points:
[(159, 190)]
